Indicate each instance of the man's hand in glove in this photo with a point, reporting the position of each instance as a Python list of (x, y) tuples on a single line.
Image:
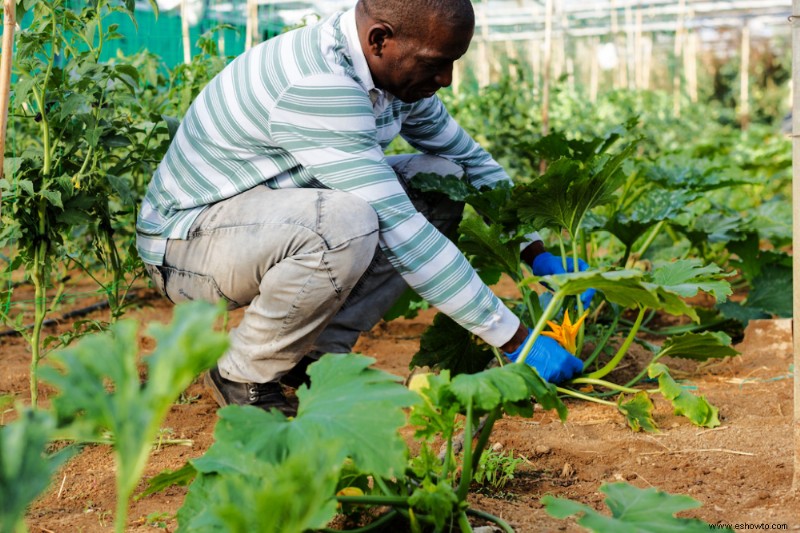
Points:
[(551, 361), (546, 264)]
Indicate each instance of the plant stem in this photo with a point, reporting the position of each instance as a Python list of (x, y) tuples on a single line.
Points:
[(611, 365), (483, 439), (650, 238), (39, 306), (466, 469), (491, 518), (641, 374), (463, 523), (394, 501), (576, 268), (603, 383), (601, 344), (586, 397), (540, 324)]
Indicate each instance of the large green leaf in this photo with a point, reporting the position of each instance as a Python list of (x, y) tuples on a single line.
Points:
[(772, 290), (262, 461), (484, 245), (358, 405), (100, 390), (698, 346), (505, 385), (446, 345), (638, 412), (696, 409), (633, 510), (686, 277), (290, 496), (25, 466), (623, 287)]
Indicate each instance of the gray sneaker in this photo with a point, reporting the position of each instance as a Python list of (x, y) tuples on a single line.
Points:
[(263, 395)]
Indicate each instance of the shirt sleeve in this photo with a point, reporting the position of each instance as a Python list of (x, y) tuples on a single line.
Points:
[(430, 128), (328, 126)]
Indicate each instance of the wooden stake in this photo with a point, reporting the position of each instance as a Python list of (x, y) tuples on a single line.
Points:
[(796, 233), (594, 72), (744, 89), (9, 25), (639, 49), (484, 73), (511, 56), (187, 45)]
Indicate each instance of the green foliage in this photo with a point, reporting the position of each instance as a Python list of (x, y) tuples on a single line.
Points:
[(638, 412), (632, 510), (686, 277), (446, 345), (698, 346), (130, 411), (697, 409), (496, 469), (25, 465), (350, 410)]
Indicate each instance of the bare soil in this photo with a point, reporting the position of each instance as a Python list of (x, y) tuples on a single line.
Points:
[(741, 471)]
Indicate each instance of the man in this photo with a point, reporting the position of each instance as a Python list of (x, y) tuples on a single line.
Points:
[(276, 194)]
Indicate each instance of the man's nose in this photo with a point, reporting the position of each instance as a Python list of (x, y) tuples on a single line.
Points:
[(445, 77)]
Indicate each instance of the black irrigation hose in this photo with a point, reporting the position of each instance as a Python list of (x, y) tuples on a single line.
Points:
[(75, 313)]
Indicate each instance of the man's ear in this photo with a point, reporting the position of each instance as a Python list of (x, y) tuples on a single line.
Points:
[(377, 35)]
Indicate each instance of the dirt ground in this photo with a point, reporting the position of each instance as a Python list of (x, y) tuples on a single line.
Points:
[(741, 471)]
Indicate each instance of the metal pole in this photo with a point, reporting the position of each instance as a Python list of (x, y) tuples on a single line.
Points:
[(9, 25), (796, 233)]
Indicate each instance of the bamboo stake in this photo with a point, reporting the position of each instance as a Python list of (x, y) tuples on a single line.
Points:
[(630, 49), (9, 25), (614, 30), (639, 49), (690, 65), (744, 88), (511, 55), (796, 233), (187, 48)]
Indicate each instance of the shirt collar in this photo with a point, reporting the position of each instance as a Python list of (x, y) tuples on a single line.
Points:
[(348, 26)]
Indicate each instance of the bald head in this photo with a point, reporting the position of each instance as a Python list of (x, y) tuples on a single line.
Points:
[(414, 16)]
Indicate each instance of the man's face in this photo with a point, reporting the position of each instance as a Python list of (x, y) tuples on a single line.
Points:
[(413, 67)]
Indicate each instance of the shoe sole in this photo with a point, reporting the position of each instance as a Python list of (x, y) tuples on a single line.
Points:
[(212, 388)]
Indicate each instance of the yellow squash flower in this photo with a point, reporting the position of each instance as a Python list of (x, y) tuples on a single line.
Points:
[(566, 333)]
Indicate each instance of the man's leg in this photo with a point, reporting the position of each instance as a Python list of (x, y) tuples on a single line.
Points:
[(293, 255), (381, 285)]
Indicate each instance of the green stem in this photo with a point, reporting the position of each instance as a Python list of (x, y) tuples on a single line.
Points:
[(540, 324), (39, 306), (121, 517), (483, 439), (394, 501), (641, 374), (502, 524), (611, 365), (466, 469), (576, 268), (601, 344), (603, 383), (463, 523), (586, 397), (650, 238)]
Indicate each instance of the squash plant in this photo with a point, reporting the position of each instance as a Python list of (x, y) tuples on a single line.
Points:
[(582, 176)]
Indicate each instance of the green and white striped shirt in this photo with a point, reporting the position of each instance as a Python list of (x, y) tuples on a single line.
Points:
[(302, 110)]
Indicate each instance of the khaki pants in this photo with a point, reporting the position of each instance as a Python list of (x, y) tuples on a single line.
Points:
[(305, 262)]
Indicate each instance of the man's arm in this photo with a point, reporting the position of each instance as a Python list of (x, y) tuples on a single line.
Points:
[(329, 128)]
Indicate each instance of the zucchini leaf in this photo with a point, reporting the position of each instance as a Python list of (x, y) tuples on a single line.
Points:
[(638, 411), (698, 346), (447, 346), (687, 277), (633, 510), (696, 409)]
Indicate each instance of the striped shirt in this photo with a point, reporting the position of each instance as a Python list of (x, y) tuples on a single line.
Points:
[(302, 110)]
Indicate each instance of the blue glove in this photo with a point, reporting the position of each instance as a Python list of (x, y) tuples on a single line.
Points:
[(551, 361), (546, 264)]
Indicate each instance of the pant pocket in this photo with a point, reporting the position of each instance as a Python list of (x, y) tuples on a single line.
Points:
[(182, 286)]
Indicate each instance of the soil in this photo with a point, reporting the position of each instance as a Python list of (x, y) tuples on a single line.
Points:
[(741, 472)]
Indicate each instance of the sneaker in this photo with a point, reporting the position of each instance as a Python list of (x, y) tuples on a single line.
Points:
[(266, 396), (297, 376)]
